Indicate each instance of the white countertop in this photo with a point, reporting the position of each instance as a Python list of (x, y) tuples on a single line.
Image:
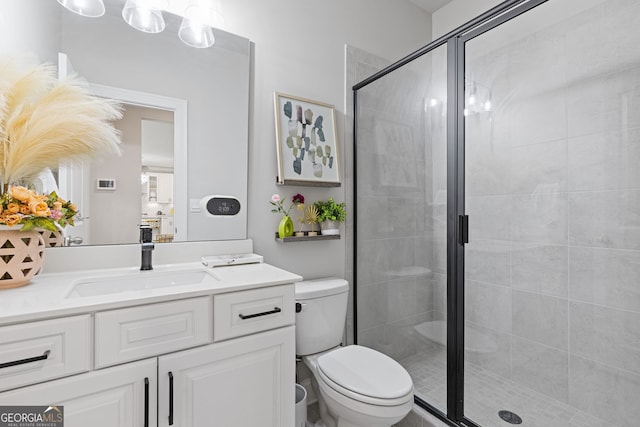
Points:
[(48, 295)]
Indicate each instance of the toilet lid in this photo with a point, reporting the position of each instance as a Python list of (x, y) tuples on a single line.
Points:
[(366, 372)]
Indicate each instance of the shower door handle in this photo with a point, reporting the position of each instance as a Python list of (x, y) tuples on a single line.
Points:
[(463, 222)]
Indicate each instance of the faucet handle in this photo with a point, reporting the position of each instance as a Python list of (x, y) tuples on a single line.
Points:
[(146, 233)]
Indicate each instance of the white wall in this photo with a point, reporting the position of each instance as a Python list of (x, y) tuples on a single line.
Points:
[(299, 50), (29, 26), (458, 12)]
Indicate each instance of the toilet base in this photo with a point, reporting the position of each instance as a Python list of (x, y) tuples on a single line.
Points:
[(335, 417)]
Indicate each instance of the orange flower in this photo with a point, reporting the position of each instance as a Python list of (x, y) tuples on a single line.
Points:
[(21, 193), (39, 208), (57, 205), (13, 208), (12, 219), (25, 209)]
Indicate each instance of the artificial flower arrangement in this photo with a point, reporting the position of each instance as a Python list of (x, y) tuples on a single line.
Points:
[(286, 228), (44, 123), (278, 203), (31, 210)]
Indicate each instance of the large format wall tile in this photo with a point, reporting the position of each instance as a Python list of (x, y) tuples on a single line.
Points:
[(373, 261), (489, 217), (488, 305), (487, 261), (605, 161), (528, 113), (540, 318), (401, 299), (539, 167), (605, 335), (602, 104), (608, 219), (541, 368), (540, 268), (539, 217), (488, 349), (372, 306), (604, 391), (605, 276)]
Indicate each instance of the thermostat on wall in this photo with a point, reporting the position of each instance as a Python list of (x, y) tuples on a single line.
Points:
[(106, 184), (220, 205)]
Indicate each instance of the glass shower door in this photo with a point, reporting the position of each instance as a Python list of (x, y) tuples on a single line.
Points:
[(552, 190), (401, 220)]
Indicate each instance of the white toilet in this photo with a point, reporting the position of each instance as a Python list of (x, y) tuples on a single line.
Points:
[(356, 386)]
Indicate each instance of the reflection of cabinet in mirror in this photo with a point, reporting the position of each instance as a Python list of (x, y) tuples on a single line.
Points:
[(160, 187)]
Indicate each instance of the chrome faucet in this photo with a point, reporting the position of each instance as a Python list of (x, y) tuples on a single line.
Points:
[(146, 237)]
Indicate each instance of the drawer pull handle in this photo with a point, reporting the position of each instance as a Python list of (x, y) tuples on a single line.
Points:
[(264, 313), (170, 398), (44, 356), (146, 402)]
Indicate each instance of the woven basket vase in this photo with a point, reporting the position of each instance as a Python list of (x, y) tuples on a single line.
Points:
[(21, 257)]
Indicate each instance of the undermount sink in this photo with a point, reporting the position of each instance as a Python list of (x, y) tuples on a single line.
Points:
[(137, 281)]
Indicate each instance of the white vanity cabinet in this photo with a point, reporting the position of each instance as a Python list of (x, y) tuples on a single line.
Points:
[(122, 396), (243, 382), (164, 364)]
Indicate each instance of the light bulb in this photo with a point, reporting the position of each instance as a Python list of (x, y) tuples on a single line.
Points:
[(89, 8), (196, 34), (487, 106), (145, 15)]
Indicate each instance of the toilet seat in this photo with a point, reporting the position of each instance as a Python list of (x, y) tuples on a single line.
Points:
[(365, 375)]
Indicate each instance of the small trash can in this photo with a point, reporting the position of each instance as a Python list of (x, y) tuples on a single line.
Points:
[(301, 406)]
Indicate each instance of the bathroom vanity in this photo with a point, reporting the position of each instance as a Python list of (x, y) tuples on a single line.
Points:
[(181, 345)]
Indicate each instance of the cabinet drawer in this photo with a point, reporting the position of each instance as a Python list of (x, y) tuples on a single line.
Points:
[(246, 312), (139, 332), (40, 351)]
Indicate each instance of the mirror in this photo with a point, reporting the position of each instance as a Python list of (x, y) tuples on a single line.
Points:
[(205, 90)]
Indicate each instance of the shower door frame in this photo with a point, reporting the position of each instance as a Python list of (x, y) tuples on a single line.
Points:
[(457, 220)]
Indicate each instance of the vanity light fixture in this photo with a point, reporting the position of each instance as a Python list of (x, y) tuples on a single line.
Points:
[(196, 30), (145, 15), (88, 8)]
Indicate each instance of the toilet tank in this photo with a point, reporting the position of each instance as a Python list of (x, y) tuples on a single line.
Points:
[(323, 312)]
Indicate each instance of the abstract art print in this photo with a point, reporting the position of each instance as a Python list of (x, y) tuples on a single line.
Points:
[(306, 142)]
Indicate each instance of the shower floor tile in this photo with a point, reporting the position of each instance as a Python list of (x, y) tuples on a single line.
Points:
[(488, 393)]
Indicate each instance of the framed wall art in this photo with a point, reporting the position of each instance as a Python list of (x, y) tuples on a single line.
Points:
[(306, 142)]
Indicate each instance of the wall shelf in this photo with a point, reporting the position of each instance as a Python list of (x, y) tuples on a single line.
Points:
[(305, 183), (306, 238)]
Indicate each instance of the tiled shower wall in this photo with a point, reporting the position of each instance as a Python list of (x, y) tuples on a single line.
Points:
[(395, 193), (553, 195)]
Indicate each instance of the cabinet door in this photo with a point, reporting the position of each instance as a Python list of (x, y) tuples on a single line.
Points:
[(244, 382), (124, 396), (165, 187)]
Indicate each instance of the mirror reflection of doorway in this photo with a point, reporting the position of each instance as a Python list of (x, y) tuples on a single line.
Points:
[(147, 158), (157, 177)]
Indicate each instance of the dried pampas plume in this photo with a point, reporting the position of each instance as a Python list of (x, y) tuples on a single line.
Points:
[(44, 122)]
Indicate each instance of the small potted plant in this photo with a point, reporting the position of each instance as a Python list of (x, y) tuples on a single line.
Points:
[(330, 215)]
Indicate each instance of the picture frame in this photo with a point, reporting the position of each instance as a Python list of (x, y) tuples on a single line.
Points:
[(306, 142)]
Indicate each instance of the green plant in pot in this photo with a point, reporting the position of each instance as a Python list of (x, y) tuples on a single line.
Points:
[(330, 215)]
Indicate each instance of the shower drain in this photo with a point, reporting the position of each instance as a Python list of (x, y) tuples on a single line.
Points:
[(510, 417)]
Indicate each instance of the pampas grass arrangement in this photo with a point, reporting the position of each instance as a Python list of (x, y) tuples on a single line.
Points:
[(44, 122)]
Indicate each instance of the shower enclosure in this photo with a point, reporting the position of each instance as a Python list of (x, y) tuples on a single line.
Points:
[(497, 203)]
